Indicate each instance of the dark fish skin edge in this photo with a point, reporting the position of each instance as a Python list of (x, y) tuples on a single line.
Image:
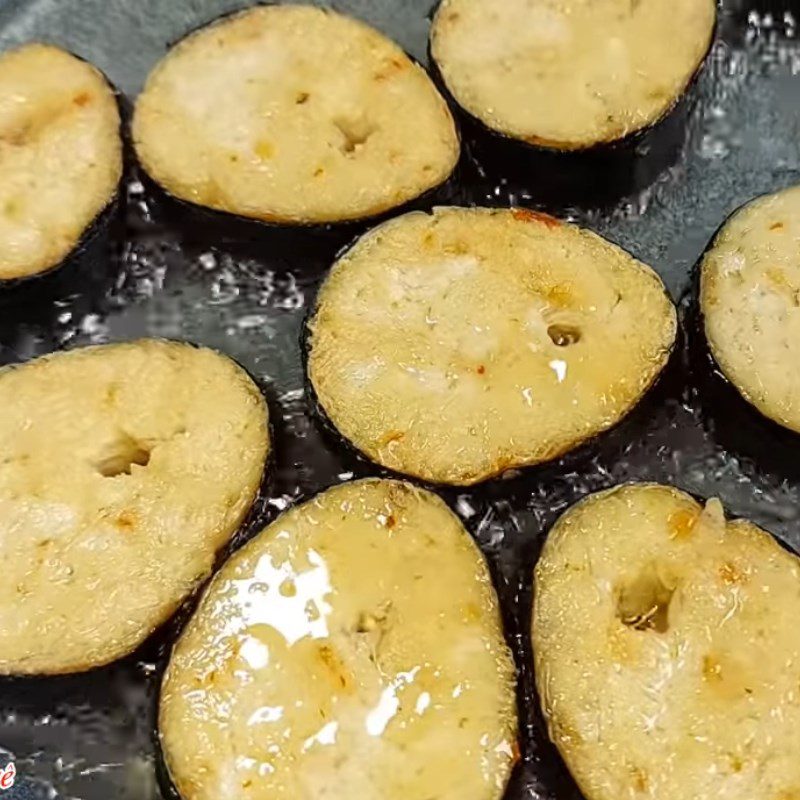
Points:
[(178, 623), (554, 762), (287, 241), (573, 460), (164, 634), (597, 175), (731, 419), (88, 260), (289, 235), (165, 638)]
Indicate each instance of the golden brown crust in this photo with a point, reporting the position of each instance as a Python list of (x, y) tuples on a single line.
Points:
[(666, 650), (570, 74), (457, 345), (125, 469), (750, 300), (353, 649), (60, 155), (293, 114)]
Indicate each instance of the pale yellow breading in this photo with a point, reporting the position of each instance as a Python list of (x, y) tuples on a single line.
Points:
[(124, 470), (750, 300), (352, 650), (667, 650), (293, 114), (458, 345), (570, 74), (60, 155)]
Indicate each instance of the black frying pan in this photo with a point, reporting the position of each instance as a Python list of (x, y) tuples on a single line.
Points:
[(92, 736)]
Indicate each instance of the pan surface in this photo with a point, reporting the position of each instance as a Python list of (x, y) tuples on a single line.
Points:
[(92, 736)]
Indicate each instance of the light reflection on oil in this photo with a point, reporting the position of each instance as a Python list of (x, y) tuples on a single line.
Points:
[(360, 636), (326, 735), (560, 368), (291, 602), (266, 714), (389, 704)]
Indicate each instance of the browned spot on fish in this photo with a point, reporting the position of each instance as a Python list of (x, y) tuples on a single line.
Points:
[(391, 521), (712, 669), (392, 67), (529, 215), (639, 779), (391, 437), (112, 392), (125, 521), (336, 669), (481, 370), (681, 523), (558, 296), (737, 765), (516, 754), (731, 575), (319, 172), (82, 100), (776, 226)]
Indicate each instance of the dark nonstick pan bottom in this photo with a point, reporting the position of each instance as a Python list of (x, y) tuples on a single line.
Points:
[(92, 736)]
